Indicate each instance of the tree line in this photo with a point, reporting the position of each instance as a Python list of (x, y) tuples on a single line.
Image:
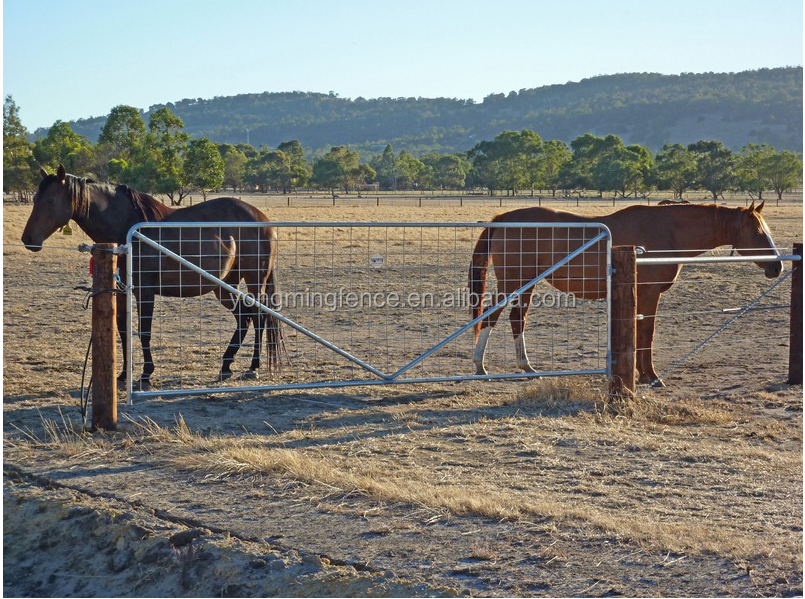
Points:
[(160, 157)]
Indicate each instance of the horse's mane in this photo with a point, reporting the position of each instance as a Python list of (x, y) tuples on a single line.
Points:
[(77, 187), (148, 207)]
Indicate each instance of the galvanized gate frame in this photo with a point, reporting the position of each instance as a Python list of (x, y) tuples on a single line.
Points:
[(383, 378)]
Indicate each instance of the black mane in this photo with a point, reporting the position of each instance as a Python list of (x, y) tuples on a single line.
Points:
[(148, 207)]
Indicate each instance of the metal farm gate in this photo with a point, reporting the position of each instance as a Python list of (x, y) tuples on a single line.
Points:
[(368, 303)]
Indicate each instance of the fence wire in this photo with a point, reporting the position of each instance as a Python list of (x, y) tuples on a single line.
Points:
[(385, 294)]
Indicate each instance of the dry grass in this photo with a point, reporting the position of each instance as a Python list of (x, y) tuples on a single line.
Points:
[(337, 473)]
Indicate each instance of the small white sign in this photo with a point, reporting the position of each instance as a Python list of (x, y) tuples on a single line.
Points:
[(376, 261)]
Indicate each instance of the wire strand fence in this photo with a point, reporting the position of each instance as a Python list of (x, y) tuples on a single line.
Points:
[(722, 310)]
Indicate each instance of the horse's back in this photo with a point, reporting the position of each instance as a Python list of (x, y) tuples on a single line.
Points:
[(225, 209)]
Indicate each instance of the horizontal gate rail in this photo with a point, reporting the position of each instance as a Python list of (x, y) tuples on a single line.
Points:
[(715, 259), (135, 235)]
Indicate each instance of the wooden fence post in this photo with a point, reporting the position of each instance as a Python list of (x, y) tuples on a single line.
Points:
[(622, 382), (795, 330), (104, 342)]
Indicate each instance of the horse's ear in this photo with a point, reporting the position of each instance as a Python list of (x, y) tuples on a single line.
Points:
[(759, 208), (752, 206), (43, 172), (61, 173)]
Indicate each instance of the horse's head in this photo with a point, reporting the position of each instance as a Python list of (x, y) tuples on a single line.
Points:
[(753, 238), (53, 208)]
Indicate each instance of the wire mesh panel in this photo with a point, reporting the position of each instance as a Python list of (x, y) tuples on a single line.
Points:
[(365, 303)]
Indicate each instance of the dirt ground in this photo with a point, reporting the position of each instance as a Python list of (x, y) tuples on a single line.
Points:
[(504, 488)]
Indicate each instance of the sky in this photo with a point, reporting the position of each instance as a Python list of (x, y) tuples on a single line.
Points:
[(79, 59)]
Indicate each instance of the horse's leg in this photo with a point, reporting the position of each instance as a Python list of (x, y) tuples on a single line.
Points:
[(648, 300), (518, 318), (258, 319), (242, 317), (145, 310)]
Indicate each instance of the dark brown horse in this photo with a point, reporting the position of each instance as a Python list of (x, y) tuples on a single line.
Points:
[(521, 254), (233, 254)]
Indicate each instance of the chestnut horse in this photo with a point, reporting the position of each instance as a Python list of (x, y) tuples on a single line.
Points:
[(233, 254), (521, 254)]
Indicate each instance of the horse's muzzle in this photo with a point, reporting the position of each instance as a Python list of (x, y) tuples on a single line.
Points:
[(772, 269), (29, 243)]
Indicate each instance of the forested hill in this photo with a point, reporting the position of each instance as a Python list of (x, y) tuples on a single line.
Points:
[(763, 106)]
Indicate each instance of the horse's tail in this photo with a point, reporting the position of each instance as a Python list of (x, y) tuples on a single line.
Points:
[(477, 277), (273, 326)]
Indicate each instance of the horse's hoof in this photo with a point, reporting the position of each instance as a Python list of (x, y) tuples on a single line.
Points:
[(142, 385), (250, 375), (480, 371), (224, 375), (657, 383), (527, 368)]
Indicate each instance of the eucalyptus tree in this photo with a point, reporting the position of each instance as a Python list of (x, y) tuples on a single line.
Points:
[(715, 167), (446, 171), (234, 166), (784, 172), (299, 170), (583, 171), (339, 168), (121, 137), (622, 169), (168, 143), (409, 171), (507, 162), (64, 146), (203, 166), (675, 169), (18, 172), (555, 155), (387, 168)]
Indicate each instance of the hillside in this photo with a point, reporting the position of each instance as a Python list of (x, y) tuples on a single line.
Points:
[(763, 106)]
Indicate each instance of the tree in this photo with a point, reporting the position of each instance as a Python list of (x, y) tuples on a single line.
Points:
[(784, 172), (121, 137), (338, 168), (622, 169), (234, 166), (555, 155), (675, 169), (751, 169), (64, 146), (507, 162), (409, 169), (203, 166), (298, 169), (447, 171), (387, 168), (18, 172), (583, 170), (715, 167)]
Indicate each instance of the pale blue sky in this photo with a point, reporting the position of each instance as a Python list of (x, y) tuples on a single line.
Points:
[(64, 60)]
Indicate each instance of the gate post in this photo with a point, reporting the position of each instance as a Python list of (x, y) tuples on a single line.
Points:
[(622, 382), (795, 330), (104, 343)]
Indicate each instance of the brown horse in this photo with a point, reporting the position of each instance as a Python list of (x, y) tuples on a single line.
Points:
[(233, 254), (521, 254)]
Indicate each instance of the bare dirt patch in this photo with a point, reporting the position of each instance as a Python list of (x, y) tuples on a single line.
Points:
[(482, 488)]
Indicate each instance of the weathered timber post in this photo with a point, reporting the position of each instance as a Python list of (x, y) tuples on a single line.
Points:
[(622, 380), (795, 330), (104, 345)]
